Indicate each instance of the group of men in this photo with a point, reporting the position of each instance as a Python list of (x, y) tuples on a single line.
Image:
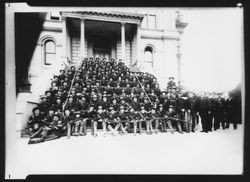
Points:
[(106, 95)]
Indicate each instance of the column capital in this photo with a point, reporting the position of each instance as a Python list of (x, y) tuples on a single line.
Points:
[(82, 19), (123, 23), (63, 18)]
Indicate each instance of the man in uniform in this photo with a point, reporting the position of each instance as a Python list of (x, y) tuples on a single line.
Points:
[(123, 119), (68, 120), (34, 124), (113, 122), (89, 118), (78, 122), (102, 118), (154, 118), (44, 105)]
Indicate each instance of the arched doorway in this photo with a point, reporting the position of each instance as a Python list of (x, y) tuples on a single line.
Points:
[(102, 48)]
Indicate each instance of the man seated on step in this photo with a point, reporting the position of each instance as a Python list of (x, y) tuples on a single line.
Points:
[(68, 120), (113, 122), (124, 120), (34, 124), (78, 122), (89, 119), (154, 115), (50, 131), (101, 118), (145, 118), (135, 121)]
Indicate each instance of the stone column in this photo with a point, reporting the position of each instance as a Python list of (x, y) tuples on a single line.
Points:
[(123, 46), (138, 38), (82, 39), (64, 40)]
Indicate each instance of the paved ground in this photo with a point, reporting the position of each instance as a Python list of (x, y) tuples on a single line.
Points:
[(219, 152)]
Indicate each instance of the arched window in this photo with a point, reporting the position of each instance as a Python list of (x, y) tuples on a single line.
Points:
[(148, 57), (49, 52)]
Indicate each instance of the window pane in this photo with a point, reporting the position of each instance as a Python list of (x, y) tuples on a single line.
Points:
[(50, 47), (49, 58), (148, 56), (151, 22)]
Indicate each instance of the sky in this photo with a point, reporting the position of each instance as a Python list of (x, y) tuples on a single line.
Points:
[(212, 49)]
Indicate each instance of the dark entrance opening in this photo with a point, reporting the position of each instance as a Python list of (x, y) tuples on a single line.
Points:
[(102, 48)]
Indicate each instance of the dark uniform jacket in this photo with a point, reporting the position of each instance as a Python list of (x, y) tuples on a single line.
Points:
[(35, 122)]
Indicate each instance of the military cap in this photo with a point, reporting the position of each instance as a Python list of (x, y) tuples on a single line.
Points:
[(94, 96), (91, 105), (62, 71), (47, 91), (121, 107), (160, 105), (72, 66), (122, 99), (51, 108), (171, 106), (153, 108), (111, 108), (35, 108), (114, 99), (171, 78), (70, 96), (73, 88), (104, 92), (55, 114), (100, 107), (142, 105), (77, 112), (43, 96), (130, 108), (56, 76), (164, 91), (58, 97)]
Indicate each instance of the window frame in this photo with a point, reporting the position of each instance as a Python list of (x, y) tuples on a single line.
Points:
[(46, 53)]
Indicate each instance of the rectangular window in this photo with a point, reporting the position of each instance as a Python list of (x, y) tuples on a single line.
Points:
[(151, 21)]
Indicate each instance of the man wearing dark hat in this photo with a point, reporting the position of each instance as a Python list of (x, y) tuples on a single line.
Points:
[(124, 120), (101, 118), (61, 75), (49, 117), (134, 118), (144, 117), (162, 114), (180, 110), (171, 114), (113, 122), (171, 83), (71, 105), (104, 103), (44, 105), (153, 118), (58, 103), (115, 104), (78, 122), (68, 120), (89, 118), (192, 109), (157, 90), (34, 124)]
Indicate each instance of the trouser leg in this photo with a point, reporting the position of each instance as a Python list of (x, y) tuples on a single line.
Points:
[(193, 115), (147, 126), (104, 126), (170, 126), (84, 123), (81, 128), (68, 129), (179, 126), (37, 133), (140, 126), (94, 127), (156, 125), (135, 126), (76, 128)]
